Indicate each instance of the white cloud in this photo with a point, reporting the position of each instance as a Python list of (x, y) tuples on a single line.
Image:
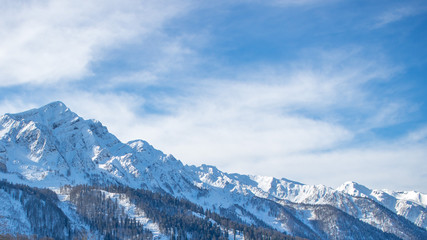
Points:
[(262, 122), (287, 3), (257, 116), (249, 137), (273, 120), (173, 55), (299, 2), (416, 136), (15, 105), (397, 14), (394, 166), (52, 41)]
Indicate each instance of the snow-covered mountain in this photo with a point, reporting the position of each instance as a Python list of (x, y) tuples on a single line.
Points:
[(410, 204), (52, 147)]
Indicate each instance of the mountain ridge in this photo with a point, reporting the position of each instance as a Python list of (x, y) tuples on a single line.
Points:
[(52, 146)]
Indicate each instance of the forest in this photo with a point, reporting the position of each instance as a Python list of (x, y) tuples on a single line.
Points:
[(176, 218)]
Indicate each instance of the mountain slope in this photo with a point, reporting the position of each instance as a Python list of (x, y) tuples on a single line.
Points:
[(52, 146), (411, 205)]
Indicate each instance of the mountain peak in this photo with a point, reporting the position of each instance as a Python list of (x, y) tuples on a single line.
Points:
[(354, 189), (50, 113), (56, 105)]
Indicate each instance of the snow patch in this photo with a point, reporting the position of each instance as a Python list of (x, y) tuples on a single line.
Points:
[(136, 213), (13, 218)]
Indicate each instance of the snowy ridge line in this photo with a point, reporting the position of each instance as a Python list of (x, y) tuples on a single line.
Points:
[(51, 147)]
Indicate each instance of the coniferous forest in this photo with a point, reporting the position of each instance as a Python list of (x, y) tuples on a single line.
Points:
[(105, 217)]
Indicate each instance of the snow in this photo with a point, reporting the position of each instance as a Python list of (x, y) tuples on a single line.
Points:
[(415, 197), (409, 204), (13, 218), (356, 189), (133, 212), (264, 183), (239, 236), (63, 148), (3, 131), (33, 173), (69, 210)]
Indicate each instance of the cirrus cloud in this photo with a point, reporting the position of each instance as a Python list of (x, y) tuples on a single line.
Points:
[(52, 41)]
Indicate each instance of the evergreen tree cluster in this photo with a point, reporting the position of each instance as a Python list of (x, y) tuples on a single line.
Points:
[(22, 237), (178, 218), (40, 205), (107, 219), (105, 216)]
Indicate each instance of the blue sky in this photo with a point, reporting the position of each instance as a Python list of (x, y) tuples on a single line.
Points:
[(320, 92)]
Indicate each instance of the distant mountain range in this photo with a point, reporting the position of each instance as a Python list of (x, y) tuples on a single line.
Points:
[(66, 177)]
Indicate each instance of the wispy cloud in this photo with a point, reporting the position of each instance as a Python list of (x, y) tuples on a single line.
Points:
[(392, 165), (302, 118), (51, 41), (397, 14), (273, 120), (276, 121), (416, 135), (287, 3), (172, 55), (16, 104)]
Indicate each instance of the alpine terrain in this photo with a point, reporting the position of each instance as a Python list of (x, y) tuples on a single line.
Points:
[(64, 177)]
